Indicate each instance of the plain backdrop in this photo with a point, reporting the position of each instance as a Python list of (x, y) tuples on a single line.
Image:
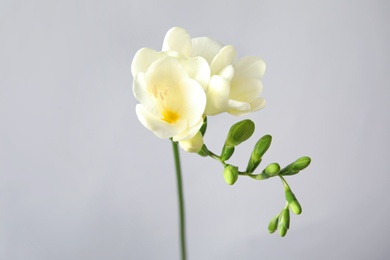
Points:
[(81, 178)]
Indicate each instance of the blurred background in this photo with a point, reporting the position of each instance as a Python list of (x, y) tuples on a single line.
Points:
[(81, 178)]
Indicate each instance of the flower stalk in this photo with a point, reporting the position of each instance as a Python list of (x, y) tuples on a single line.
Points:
[(181, 200)]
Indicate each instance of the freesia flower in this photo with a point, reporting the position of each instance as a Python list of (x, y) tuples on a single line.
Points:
[(171, 101), (234, 87)]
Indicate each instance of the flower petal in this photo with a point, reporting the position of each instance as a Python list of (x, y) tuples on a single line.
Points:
[(225, 57), (205, 47), (189, 132), (142, 60), (227, 73), (192, 145), (198, 69), (238, 105), (217, 95), (177, 39), (245, 89), (256, 104), (165, 73), (142, 94), (159, 127), (250, 67), (189, 100)]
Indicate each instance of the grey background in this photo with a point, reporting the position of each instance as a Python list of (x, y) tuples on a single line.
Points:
[(81, 178)]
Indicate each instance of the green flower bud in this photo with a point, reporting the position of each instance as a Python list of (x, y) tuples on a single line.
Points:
[(289, 196), (284, 222), (288, 170), (272, 169), (282, 231), (227, 152), (240, 132), (296, 166), (295, 207), (301, 163), (293, 202), (258, 151), (230, 174), (273, 224)]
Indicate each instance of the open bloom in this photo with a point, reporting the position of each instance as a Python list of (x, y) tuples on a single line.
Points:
[(234, 87), (171, 101)]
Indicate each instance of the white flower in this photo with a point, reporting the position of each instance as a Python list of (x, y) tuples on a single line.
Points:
[(234, 87), (172, 102)]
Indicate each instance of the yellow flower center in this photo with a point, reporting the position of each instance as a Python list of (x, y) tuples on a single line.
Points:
[(169, 116)]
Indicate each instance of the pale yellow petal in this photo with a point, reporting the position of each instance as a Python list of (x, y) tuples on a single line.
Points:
[(177, 39), (227, 73), (206, 48), (189, 100), (217, 96), (159, 127), (225, 57), (142, 60), (245, 89), (250, 67), (189, 132), (165, 73), (198, 69), (192, 145)]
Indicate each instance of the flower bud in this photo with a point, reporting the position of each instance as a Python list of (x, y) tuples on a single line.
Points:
[(240, 132), (284, 222), (230, 174), (192, 145), (301, 163), (258, 151), (295, 207), (227, 152), (272, 169), (288, 170), (293, 202), (273, 224), (296, 166)]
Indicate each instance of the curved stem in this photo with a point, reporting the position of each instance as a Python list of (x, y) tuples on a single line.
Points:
[(181, 199)]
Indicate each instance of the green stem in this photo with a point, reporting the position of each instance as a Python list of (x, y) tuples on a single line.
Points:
[(285, 184), (181, 199)]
